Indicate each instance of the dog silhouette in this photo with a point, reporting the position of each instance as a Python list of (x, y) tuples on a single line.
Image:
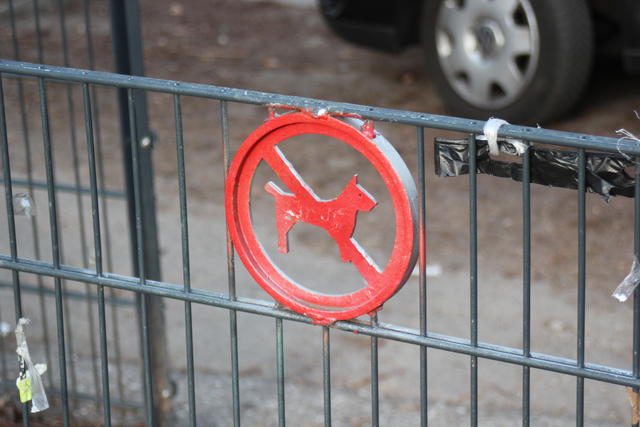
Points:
[(337, 216)]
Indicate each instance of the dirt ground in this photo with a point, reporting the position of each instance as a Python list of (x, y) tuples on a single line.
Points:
[(284, 47)]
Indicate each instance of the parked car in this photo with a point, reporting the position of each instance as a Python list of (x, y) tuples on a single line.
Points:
[(525, 61)]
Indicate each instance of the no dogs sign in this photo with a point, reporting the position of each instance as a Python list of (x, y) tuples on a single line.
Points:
[(338, 217)]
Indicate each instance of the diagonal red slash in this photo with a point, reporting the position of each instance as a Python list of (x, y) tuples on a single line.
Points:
[(336, 216)]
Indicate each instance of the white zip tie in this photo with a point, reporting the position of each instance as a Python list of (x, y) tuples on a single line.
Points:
[(491, 136), (491, 133)]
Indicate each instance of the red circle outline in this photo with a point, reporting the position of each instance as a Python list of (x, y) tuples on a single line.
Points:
[(256, 260)]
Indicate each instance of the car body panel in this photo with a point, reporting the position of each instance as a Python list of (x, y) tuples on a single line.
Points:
[(385, 25)]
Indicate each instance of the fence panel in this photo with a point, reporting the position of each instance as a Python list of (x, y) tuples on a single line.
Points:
[(195, 274)]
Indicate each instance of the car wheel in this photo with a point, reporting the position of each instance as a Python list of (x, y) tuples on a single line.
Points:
[(525, 61)]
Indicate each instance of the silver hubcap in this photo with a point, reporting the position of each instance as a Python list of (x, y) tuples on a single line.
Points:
[(488, 49)]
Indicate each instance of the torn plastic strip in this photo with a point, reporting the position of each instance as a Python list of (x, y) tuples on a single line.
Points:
[(23, 205), (605, 174), (29, 382), (629, 283)]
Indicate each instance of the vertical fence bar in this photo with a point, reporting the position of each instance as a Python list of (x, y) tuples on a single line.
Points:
[(146, 344), (121, 53), (9, 191), (231, 275), (636, 293), (29, 170), (104, 206), (14, 31), (375, 389), (526, 285), (13, 243), (280, 371), (3, 359), (473, 273), (55, 248), (581, 282), (128, 57), (8, 186), (97, 243), (91, 58), (422, 278), (186, 266), (36, 19), (115, 317), (3, 350), (80, 212), (326, 374)]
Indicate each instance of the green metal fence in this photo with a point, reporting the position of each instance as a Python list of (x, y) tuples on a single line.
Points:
[(113, 289), (101, 278)]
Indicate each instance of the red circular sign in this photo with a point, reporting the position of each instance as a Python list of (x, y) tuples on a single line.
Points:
[(336, 216)]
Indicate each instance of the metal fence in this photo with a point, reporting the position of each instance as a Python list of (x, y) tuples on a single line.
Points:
[(100, 277), (109, 38), (99, 258)]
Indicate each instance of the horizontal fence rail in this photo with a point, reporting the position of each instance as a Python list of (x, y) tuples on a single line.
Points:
[(392, 332), (566, 139)]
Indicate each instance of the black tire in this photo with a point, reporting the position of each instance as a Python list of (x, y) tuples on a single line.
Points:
[(564, 63)]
